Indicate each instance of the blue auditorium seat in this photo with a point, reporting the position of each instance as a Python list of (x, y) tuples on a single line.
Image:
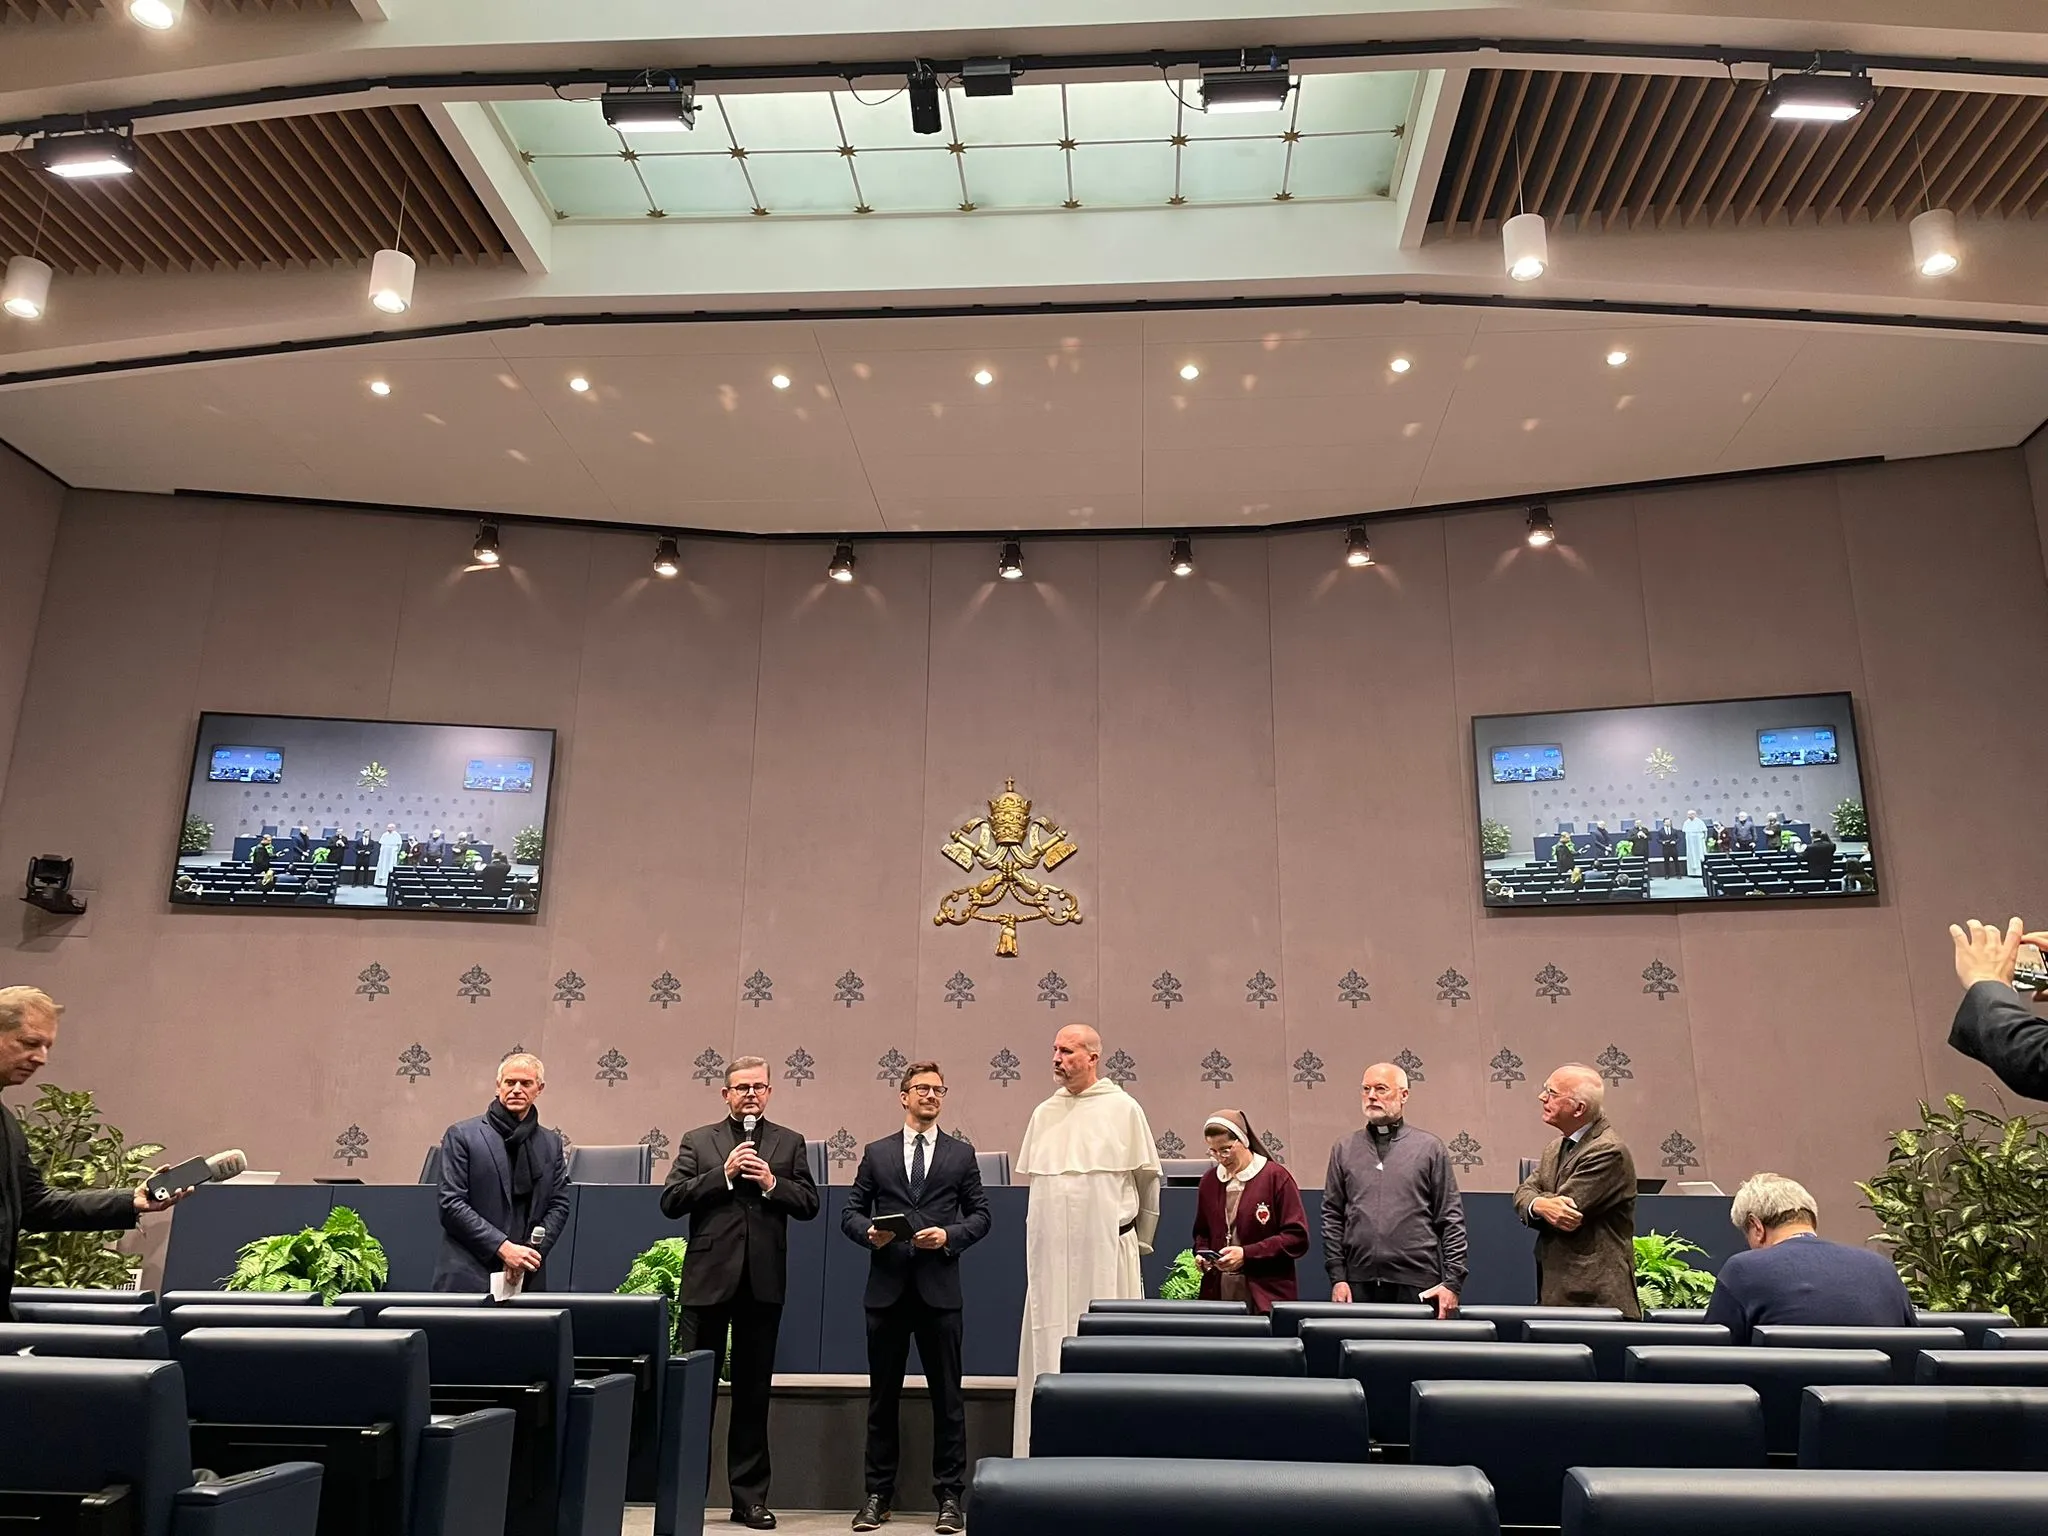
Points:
[(2015, 1338), (1778, 1376), (994, 1168), (1632, 1501), (1389, 1369), (430, 1166), (358, 1400), (1674, 1314), (100, 1430), (1525, 1435), (374, 1304), (1610, 1341), (175, 1299), (131, 1315), (1268, 1418), (1289, 1315), (185, 1319), (1903, 1345), (1196, 1325), (630, 1164), (84, 1341), (1973, 1324), (1323, 1337), (1508, 1319), (688, 1397), (573, 1437), (1933, 1429), (1982, 1368), (629, 1335), (1135, 1497), (1152, 1305), (87, 1295), (1153, 1355)]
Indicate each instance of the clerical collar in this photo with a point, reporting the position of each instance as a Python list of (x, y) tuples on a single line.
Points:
[(1387, 1130)]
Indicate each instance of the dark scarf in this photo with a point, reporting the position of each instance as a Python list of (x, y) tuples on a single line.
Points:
[(518, 1136)]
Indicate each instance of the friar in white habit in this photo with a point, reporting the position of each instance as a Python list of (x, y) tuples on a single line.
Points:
[(1094, 1176)]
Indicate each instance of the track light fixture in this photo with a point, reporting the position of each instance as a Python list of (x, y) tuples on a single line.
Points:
[(1542, 532), (1246, 90), (1816, 98), (1180, 559), (841, 568), (1357, 546), (643, 109), (987, 77), (485, 550), (1526, 245), (1010, 562), (157, 15), (923, 85), (667, 559), (87, 156), (25, 293)]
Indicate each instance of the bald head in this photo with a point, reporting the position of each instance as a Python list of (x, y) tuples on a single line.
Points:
[(1383, 1093), (1076, 1057), (1572, 1096)]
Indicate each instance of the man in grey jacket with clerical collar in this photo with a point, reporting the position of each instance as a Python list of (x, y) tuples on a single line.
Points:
[(1393, 1222)]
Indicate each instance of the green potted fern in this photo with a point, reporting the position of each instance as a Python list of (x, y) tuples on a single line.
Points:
[(1183, 1282), (658, 1271), (1663, 1276), (338, 1255)]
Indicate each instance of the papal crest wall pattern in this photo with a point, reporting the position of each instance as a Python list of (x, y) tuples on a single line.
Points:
[(1265, 768)]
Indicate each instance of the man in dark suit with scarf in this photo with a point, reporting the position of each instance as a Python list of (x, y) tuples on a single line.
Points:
[(503, 1174)]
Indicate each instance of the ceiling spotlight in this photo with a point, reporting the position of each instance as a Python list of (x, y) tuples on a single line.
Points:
[(1400, 365), (1526, 247), (1616, 358), (1010, 563), (380, 388), (1245, 90), (391, 275), (82, 156), (667, 561), (923, 85), (157, 15), (1357, 547), (1935, 249), (1816, 98), (580, 384), (485, 550), (841, 568), (983, 377), (652, 111), (780, 380), (1180, 559), (25, 293), (1542, 532), (987, 77), (1190, 372)]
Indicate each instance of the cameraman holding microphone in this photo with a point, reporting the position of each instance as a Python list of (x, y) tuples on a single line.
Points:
[(1995, 1025), (28, 1031)]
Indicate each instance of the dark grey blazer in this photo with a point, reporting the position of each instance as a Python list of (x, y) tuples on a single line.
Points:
[(476, 1203), (1997, 1027), (28, 1204)]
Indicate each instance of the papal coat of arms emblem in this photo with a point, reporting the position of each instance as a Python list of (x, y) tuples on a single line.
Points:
[(1010, 844)]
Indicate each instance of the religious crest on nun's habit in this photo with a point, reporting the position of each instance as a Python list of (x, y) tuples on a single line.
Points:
[(1263, 1212), (1010, 844)]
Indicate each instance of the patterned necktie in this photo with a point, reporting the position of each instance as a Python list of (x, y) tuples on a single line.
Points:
[(917, 1170)]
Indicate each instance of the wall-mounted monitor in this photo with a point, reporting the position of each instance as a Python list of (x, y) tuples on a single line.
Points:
[(1714, 801), (377, 815), (1527, 765), (1797, 747), (246, 765)]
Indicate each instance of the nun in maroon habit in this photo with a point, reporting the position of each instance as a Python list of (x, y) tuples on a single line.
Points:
[(1248, 1211)]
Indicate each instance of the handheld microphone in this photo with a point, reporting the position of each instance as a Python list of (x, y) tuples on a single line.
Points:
[(536, 1237), (747, 1129), (196, 1171)]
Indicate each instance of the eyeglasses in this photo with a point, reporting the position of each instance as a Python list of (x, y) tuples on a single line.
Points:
[(1546, 1094), (747, 1090), (932, 1090)]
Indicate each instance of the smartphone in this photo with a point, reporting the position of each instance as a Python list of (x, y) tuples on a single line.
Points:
[(1208, 1255)]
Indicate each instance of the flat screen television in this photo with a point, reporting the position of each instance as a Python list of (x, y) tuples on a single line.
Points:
[(376, 815), (1527, 765), (1719, 800)]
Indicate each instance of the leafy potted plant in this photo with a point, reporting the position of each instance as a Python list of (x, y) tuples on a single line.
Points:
[(1184, 1280), (1963, 1200), (336, 1256), (1851, 821), (1664, 1278), (197, 836), (527, 845), (74, 1149), (1494, 839), (659, 1272)]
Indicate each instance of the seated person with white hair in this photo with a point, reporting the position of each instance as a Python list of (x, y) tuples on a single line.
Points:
[(1792, 1275)]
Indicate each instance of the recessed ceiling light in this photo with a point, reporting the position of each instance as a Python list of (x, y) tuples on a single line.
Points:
[(1400, 365), (379, 387), (580, 384), (1616, 358), (157, 15), (1190, 372), (780, 381), (983, 377)]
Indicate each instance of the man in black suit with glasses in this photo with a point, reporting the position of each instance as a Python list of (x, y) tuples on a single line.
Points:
[(932, 1181)]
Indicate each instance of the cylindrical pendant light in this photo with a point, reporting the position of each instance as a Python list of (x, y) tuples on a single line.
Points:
[(1526, 246), (391, 275), (1936, 251), (25, 294)]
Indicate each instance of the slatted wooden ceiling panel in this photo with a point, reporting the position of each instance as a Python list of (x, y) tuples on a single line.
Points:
[(86, 10), (1658, 150), (318, 190)]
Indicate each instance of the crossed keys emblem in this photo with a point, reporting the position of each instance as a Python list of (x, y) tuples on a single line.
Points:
[(1009, 843)]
